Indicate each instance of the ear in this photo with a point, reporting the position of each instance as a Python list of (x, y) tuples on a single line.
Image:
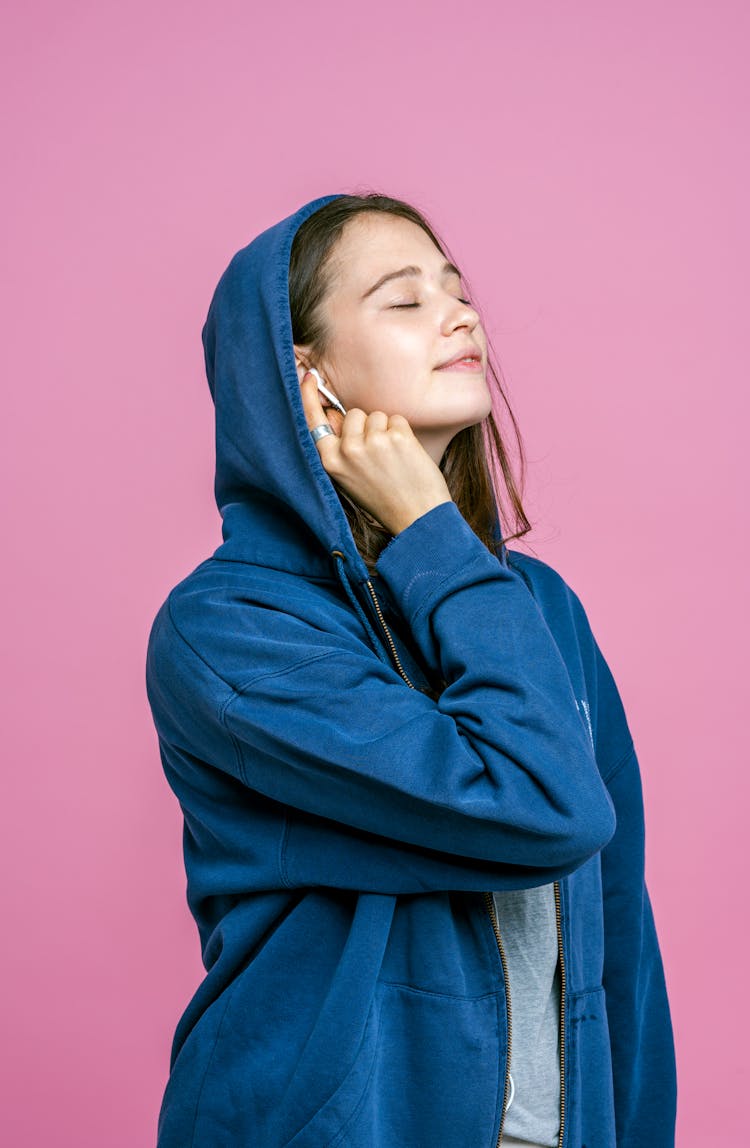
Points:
[(302, 361)]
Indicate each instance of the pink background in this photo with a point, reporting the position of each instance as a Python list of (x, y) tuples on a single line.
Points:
[(588, 164)]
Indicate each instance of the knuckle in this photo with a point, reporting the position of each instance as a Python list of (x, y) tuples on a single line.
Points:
[(350, 447)]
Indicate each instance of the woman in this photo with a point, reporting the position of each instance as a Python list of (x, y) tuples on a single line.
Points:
[(414, 837)]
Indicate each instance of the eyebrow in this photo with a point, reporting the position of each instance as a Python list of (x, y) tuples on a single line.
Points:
[(447, 269)]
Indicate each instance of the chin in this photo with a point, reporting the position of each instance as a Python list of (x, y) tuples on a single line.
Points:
[(479, 410)]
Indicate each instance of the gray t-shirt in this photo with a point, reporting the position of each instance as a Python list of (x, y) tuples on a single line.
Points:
[(528, 929)]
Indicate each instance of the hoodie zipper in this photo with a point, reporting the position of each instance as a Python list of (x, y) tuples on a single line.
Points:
[(562, 1012), (394, 651), (493, 917)]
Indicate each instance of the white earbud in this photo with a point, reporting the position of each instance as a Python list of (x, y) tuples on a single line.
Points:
[(322, 387)]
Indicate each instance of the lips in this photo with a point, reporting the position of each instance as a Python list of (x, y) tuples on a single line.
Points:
[(467, 353)]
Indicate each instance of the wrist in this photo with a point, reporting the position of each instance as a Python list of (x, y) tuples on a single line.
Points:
[(413, 513)]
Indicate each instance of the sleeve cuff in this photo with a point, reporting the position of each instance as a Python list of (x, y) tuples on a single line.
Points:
[(429, 552)]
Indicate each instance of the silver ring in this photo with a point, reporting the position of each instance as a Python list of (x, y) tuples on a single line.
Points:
[(321, 431)]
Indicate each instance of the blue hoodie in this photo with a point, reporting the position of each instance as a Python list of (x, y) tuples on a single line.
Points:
[(345, 827)]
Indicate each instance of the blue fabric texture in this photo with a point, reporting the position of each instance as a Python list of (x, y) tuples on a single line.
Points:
[(344, 829)]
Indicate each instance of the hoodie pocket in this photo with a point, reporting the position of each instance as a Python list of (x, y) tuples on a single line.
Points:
[(324, 1125), (428, 1072), (590, 1108)]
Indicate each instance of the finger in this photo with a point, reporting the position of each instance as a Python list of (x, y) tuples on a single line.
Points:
[(353, 425), (314, 413), (375, 421)]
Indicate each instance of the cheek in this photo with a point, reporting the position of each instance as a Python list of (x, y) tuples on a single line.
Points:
[(385, 366), (394, 373)]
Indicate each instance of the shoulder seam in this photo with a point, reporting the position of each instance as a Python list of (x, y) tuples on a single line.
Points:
[(284, 670), (237, 693), (240, 689)]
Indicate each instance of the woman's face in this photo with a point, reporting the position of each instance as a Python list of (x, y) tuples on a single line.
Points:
[(387, 344)]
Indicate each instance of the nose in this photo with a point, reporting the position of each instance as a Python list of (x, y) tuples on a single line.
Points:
[(460, 314)]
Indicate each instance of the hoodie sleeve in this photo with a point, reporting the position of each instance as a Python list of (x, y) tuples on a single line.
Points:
[(500, 770), (638, 1012)]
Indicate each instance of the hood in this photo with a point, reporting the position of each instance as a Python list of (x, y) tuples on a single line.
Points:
[(278, 504)]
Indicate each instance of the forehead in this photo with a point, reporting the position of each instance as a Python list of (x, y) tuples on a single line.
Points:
[(371, 245)]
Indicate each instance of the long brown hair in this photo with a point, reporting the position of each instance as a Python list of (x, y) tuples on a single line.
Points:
[(465, 464)]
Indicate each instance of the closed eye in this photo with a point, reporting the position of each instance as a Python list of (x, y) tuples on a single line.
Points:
[(403, 306)]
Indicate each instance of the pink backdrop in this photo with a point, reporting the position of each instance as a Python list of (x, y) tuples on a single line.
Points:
[(588, 164)]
